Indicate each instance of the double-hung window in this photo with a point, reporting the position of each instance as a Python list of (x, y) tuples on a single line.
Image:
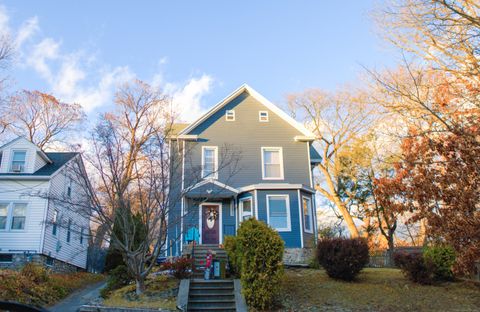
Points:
[(3, 216), (245, 208), (19, 215), (18, 161), (69, 187), (209, 162), (272, 163), (307, 215), (54, 222), (69, 230), (278, 209)]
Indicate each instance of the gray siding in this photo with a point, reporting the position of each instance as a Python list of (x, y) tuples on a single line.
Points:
[(245, 136)]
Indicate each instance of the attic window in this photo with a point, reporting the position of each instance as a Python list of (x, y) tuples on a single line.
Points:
[(230, 115), (18, 161), (263, 116)]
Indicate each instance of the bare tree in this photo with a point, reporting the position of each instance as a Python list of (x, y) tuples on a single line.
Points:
[(42, 118), (6, 53), (337, 120)]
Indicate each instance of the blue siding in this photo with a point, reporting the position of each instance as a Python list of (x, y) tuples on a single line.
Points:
[(292, 238)]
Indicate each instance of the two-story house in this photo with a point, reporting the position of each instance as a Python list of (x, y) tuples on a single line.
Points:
[(244, 158), (39, 220)]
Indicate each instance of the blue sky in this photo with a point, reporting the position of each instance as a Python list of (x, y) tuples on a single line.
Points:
[(199, 51)]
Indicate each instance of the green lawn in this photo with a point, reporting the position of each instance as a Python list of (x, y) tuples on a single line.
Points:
[(375, 290)]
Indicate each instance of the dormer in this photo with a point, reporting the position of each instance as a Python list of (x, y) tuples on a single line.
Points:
[(20, 156)]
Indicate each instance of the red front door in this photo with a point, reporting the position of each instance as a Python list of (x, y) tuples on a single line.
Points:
[(210, 224)]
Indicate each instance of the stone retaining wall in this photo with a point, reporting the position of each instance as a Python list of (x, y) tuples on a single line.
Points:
[(297, 256), (20, 259)]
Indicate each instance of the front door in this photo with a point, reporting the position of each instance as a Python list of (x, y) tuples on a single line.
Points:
[(210, 224)]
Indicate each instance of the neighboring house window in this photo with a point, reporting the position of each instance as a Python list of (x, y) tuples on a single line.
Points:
[(209, 162), (3, 216), (6, 258), (18, 161), (69, 232), (263, 116), (54, 222), (307, 215), (278, 208), (81, 236), (69, 187), (246, 208), (272, 163), (230, 115), (18, 216)]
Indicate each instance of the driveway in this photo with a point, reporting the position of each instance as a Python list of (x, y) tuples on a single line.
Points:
[(83, 296)]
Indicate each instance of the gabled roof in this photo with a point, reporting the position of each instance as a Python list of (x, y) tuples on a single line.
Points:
[(39, 151), (211, 188), (258, 97), (57, 161)]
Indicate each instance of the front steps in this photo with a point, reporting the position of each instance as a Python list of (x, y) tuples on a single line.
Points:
[(214, 294)]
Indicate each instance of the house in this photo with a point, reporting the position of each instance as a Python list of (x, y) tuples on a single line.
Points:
[(38, 221), (244, 158)]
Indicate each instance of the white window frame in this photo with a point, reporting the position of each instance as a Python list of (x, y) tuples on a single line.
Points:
[(215, 171), (69, 187), (261, 118), (240, 206), (230, 115), (7, 221), (280, 150), (311, 215), (24, 162), (55, 222), (289, 221)]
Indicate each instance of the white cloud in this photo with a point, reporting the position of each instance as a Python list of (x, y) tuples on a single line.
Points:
[(4, 21), (26, 31), (187, 98), (44, 51)]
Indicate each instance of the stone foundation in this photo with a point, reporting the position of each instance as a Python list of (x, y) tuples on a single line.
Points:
[(297, 256), (20, 259)]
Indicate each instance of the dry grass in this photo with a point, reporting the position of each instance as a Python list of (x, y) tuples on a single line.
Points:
[(160, 293), (375, 290)]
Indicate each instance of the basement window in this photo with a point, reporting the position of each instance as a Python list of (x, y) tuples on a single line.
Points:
[(6, 258)]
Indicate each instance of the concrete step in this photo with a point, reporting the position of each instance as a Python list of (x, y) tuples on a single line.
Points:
[(210, 304), (203, 309), (211, 291), (201, 283), (213, 295)]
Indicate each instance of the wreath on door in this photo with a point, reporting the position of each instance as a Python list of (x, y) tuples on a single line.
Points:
[(212, 214)]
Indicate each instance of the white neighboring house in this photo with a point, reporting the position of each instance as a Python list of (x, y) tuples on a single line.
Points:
[(36, 227)]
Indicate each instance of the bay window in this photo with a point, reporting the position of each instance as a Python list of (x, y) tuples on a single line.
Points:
[(278, 212)]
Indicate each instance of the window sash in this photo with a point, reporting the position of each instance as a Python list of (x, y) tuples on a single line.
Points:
[(19, 158), (230, 115), (279, 212), (19, 216), (272, 163), (307, 214), (209, 162), (69, 233), (246, 209), (3, 216)]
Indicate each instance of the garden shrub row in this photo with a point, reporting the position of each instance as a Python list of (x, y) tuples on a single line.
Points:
[(256, 254), (36, 285)]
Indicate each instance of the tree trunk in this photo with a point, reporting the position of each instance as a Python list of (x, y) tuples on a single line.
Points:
[(391, 248), (140, 285), (352, 228)]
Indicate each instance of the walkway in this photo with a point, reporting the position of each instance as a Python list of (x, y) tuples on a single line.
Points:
[(83, 296)]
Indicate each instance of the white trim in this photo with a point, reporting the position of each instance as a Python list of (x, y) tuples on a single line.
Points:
[(216, 182), (260, 116), (44, 224), (315, 224), (220, 225), (289, 222), (215, 169), (303, 138), (300, 218), (227, 116), (256, 204), (272, 148), (309, 165), (10, 220), (257, 96), (12, 154), (275, 186), (240, 207), (311, 216), (182, 203)]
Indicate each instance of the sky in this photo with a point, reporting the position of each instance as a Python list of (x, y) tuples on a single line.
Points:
[(197, 51)]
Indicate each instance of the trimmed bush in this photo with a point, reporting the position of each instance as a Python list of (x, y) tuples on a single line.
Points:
[(261, 250), (180, 267), (441, 260), (433, 265), (342, 258), (234, 255), (414, 268)]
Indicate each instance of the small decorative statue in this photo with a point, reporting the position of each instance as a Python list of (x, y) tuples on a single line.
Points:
[(208, 264)]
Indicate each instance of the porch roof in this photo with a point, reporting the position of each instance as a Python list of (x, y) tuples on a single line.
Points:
[(211, 189)]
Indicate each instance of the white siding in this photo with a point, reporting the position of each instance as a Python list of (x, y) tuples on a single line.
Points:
[(39, 162), (30, 159), (57, 246), (29, 238)]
